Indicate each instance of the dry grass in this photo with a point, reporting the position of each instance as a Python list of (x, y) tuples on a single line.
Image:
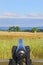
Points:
[(22, 34)]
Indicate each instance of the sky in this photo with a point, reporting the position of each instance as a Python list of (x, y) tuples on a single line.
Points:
[(21, 9)]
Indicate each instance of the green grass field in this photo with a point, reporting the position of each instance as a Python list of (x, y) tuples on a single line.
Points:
[(36, 46)]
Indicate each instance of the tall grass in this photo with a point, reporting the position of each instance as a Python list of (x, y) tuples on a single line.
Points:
[(36, 46)]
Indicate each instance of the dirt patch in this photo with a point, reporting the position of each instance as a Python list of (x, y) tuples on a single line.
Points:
[(34, 63)]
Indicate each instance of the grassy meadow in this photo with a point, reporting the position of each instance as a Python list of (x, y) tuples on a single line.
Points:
[(34, 40)]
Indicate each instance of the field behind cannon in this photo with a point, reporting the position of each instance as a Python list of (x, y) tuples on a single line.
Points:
[(34, 40)]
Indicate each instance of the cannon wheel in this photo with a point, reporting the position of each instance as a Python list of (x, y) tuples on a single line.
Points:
[(12, 62)]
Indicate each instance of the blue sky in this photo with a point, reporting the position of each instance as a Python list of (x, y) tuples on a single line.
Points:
[(21, 6), (21, 9)]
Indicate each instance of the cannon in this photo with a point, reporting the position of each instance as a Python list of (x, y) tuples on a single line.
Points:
[(20, 54)]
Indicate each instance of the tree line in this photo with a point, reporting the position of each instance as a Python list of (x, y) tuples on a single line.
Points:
[(17, 29)]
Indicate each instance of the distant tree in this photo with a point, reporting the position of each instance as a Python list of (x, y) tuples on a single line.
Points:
[(34, 29), (17, 28), (11, 28), (14, 28)]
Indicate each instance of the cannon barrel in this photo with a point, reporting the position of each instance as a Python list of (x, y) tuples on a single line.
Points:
[(20, 54), (20, 51)]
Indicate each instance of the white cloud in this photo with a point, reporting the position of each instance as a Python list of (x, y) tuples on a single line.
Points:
[(10, 14), (35, 15), (14, 15)]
